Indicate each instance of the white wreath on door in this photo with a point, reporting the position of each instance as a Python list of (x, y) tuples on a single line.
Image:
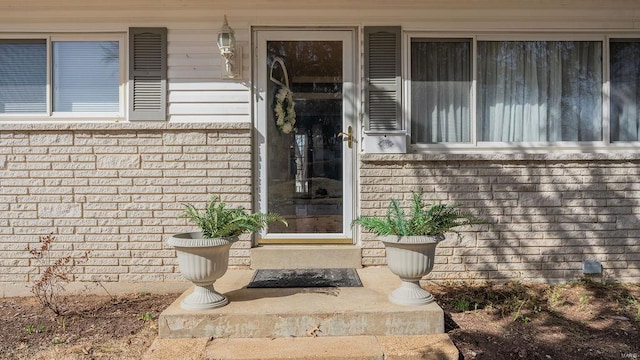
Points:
[(283, 105)]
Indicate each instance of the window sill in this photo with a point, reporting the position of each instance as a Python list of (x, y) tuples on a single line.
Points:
[(611, 153), (525, 148), (120, 125)]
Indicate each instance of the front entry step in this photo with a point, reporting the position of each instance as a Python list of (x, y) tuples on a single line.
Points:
[(304, 323), (306, 257), (302, 312), (423, 347)]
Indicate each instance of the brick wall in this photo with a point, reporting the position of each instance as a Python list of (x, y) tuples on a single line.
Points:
[(549, 212), (116, 190)]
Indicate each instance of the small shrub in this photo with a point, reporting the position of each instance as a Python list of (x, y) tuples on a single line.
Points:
[(30, 329), (62, 323), (462, 305), (522, 318), (583, 302), (519, 315), (554, 296), (55, 273)]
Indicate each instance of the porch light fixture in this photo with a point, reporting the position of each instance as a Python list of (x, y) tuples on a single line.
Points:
[(227, 45)]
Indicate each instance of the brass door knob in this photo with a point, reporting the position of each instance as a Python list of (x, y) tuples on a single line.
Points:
[(348, 136)]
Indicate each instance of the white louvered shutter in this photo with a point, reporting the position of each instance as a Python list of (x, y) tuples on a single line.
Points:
[(383, 79), (147, 74), (383, 131)]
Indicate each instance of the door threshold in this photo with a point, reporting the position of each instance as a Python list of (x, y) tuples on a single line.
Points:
[(302, 241), (306, 256)]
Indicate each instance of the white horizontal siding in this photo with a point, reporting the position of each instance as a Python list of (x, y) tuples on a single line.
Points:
[(212, 108), (194, 72), (192, 60), (206, 14), (197, 85), (196, 91), (209, 118), (195, 96)]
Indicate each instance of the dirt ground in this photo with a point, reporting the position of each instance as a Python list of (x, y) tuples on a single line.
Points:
[(584, 320), (97, 327)]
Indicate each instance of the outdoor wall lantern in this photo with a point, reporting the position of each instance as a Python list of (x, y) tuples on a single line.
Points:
[(227, 45)]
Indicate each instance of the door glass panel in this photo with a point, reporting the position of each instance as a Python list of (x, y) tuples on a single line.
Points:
[(304, 154)]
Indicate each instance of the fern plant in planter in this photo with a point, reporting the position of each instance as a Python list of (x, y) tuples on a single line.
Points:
[(203, 256), (411, 240), (219, 221)]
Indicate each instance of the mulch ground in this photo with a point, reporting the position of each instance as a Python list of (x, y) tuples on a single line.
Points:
[(95, 327), (584, 320)]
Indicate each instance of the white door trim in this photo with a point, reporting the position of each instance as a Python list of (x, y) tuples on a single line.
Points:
[(350, 108)]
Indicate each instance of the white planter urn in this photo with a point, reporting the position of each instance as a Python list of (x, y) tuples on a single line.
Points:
[(202, 261), (411, 258)]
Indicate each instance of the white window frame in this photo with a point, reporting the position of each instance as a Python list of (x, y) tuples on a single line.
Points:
[(50, 115), (605, 145)]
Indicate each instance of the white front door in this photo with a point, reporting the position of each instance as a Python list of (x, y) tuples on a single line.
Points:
[(305, 113)]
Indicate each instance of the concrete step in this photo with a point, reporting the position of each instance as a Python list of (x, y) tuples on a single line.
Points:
[(303, 312), (427, 347), (306, 257)]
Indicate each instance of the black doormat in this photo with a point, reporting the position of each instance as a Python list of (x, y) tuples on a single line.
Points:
[(271, 278)]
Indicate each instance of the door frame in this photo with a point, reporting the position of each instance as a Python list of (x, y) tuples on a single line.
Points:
[(349, 36)]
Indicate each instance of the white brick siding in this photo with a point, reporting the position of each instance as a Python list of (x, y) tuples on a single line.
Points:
[(116, 190), (548, 212)]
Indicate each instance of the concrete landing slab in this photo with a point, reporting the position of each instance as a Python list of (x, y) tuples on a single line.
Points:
[(423, 347), (303, 312), (306, 257)]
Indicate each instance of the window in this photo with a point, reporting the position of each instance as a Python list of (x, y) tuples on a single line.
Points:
[(440, 91), (475, 92), (86, 76), (539, 91), (80, 77), (23, 76), (624, 55)]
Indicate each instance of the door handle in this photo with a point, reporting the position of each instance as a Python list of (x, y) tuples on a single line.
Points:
[(348, 136)]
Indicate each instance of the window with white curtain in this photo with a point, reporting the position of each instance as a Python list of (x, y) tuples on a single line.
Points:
[(57, 76), (539, 91), (474, 92), (440, 91), (624, 55)]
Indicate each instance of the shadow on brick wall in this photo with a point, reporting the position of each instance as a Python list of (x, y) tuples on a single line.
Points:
[(548, 212)]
